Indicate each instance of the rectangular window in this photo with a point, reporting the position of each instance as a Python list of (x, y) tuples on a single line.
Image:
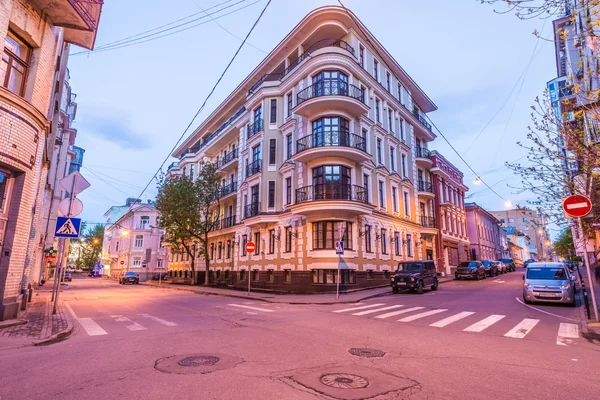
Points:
[(399, 92), (289, 104), (377, 110), (361, 56), (137, 262), (376, 70), (139, 241), (273, 119), (228, 249), (404, 166), (14, 64), (288, 239), (397, 244), (159, 263), (383, 241), (401, 127), (392, 159), (271, 195), (117, 247), (255, 275), (244, 242), (395, 199), (192, 172), (366, 185), (288, 190), (271, 241), (329, 276), (390, 122), (326, 233), (409, 245), (212, 251), (287, 275), (290, 146), (406, 205), (368, 239), (257, 242), (220, 250), (378, 151), (272, 151), (388, 79), (381, 198)]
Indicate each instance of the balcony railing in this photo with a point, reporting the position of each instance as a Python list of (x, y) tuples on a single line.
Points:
[(332, 191), (423, 152), (228, 189), (421, 118), (313, 47), (227, 158), (227, 123), (253, 168), (427, 222), (425, 186), (333, 87), (254, 128), (225, 223), (251, 210), (142, 227), (331, 138)]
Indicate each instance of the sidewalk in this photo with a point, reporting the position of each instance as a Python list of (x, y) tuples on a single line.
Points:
[(591, 328), (352, 296), (41, 326)]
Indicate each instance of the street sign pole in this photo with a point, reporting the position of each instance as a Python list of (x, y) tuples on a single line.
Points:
[(250, 248), (588, 269), (337, 293)]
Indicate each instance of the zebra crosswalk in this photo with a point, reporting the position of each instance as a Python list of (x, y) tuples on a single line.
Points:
[(104, 326), (467, 321)]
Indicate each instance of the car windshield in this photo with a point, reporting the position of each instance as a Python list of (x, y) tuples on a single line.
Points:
[(506, 260), (486, 263), (129, 273), (468, 264), (410, 267), (557, 274)]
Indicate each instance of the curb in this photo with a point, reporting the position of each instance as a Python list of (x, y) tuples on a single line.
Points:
[(7, 324), (57, 337)]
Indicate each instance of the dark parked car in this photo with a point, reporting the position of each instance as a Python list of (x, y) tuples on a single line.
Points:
[(527, 262), (67, 277), (163, 277), (491, 268), (470, 270), (129, 277), (415, 275), (510, 264)]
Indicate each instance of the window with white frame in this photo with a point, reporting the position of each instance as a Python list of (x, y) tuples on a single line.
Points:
[(160, 263), (139, 241), (404, 165), (388, 79), (381, 194), (409, 245), (406, 205), (401, 128), (395, 198), (376, 70), (393, 159), (390, 122), (397, 243), (137, 262), (377, 110)]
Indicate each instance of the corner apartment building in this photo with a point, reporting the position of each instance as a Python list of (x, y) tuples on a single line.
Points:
[(36, 34), (133, 242), (534, 225), (485, 234), (450, 214), (325, 140)]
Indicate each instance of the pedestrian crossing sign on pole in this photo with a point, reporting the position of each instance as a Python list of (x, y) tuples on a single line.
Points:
[(339, 248), (67, 227)]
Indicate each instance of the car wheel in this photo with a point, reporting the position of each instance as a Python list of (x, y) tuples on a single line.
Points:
[(497, 273), (395, 290), (435, 285), (420, 287), (525, 300)]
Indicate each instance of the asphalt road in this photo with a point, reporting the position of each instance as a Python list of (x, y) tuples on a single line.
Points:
[(468, 340)]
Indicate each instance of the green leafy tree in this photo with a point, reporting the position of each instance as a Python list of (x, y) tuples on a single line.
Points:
[(90, 246), (564, 244), (189, 211)]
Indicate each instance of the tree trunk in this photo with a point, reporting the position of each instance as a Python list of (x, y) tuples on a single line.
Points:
[(194, 281), (206, 259)]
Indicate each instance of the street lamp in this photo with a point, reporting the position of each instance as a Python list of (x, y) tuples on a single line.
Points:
[(508, 204), (477, 181), (124, 233)]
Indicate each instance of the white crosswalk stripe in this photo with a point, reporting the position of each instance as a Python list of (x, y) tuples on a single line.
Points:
[(159, 320), (484, 323), (377, 310), (251, 308), (394, 313), (566, 333), (91, 327), (359, 308), (456, 317), (522, 328), (421, 315), (134, 326)]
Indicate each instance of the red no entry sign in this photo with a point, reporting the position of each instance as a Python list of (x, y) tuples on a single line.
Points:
[(122, 262), (577, 206), (250, 247)]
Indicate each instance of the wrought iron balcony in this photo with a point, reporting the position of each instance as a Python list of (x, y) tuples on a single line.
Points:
[(333, 87), (227, 123), (425, 187), (227, 158), (253, 168), (421, 118), (427, 222), (332, 191), (228, 189), (423, 152), (252, 210), (254, 128), (331, 138)]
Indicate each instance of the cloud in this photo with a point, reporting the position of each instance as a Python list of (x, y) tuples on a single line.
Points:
[(115, 129)]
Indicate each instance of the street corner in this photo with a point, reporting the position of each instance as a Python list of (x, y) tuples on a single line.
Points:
[(197, 363), (350, 381), (591, 332)]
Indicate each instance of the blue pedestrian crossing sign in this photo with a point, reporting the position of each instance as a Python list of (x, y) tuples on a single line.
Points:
[(339, 248), (67, 227)]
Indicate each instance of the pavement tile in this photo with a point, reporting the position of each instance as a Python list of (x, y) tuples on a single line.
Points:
[(41, 324)]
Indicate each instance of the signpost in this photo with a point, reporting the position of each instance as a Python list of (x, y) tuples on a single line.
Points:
[(578, 206), (250, 248), (339, 250)]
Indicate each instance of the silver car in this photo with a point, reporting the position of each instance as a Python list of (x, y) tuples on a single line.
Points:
[(548, 282), (501, 267)]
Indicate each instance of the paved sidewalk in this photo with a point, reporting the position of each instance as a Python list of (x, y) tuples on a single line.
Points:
[(352, 296)]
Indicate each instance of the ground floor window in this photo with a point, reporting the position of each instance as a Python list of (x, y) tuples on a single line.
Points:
[(370, 274), (226, 274), (287, 275), (242, 275), (453, 256), (255, 275), (325, 234), (270, 275), (329, 276)]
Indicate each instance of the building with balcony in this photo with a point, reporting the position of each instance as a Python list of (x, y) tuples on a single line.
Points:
[(532, 223), (450, 214), (133, 241), (326, 140), (485, 239), (37, 35)]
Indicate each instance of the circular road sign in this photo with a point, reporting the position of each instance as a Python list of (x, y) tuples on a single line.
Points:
[(122, 262), (250, 247), (577, 206)]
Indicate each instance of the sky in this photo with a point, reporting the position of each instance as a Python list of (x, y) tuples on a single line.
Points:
[(481, 68)]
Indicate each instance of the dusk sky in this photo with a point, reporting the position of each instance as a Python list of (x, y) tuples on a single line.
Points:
[(134, 102)]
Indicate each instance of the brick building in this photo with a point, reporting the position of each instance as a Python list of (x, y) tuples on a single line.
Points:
[(37, 34)]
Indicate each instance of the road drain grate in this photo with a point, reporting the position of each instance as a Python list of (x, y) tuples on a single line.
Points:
[(366, 352), (198, 361), (344, 381)]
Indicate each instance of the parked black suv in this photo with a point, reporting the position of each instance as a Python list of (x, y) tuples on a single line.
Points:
[(470, 270), (415, 275), (491, 268), (510, 264)]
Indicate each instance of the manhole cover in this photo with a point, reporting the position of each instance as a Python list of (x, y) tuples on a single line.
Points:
[(198, 361), (366, 352), (344, 381)]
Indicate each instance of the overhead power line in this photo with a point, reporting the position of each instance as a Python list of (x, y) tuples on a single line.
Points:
[(207, 98)]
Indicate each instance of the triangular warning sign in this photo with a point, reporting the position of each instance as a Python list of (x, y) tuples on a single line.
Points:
[(67, 228)]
